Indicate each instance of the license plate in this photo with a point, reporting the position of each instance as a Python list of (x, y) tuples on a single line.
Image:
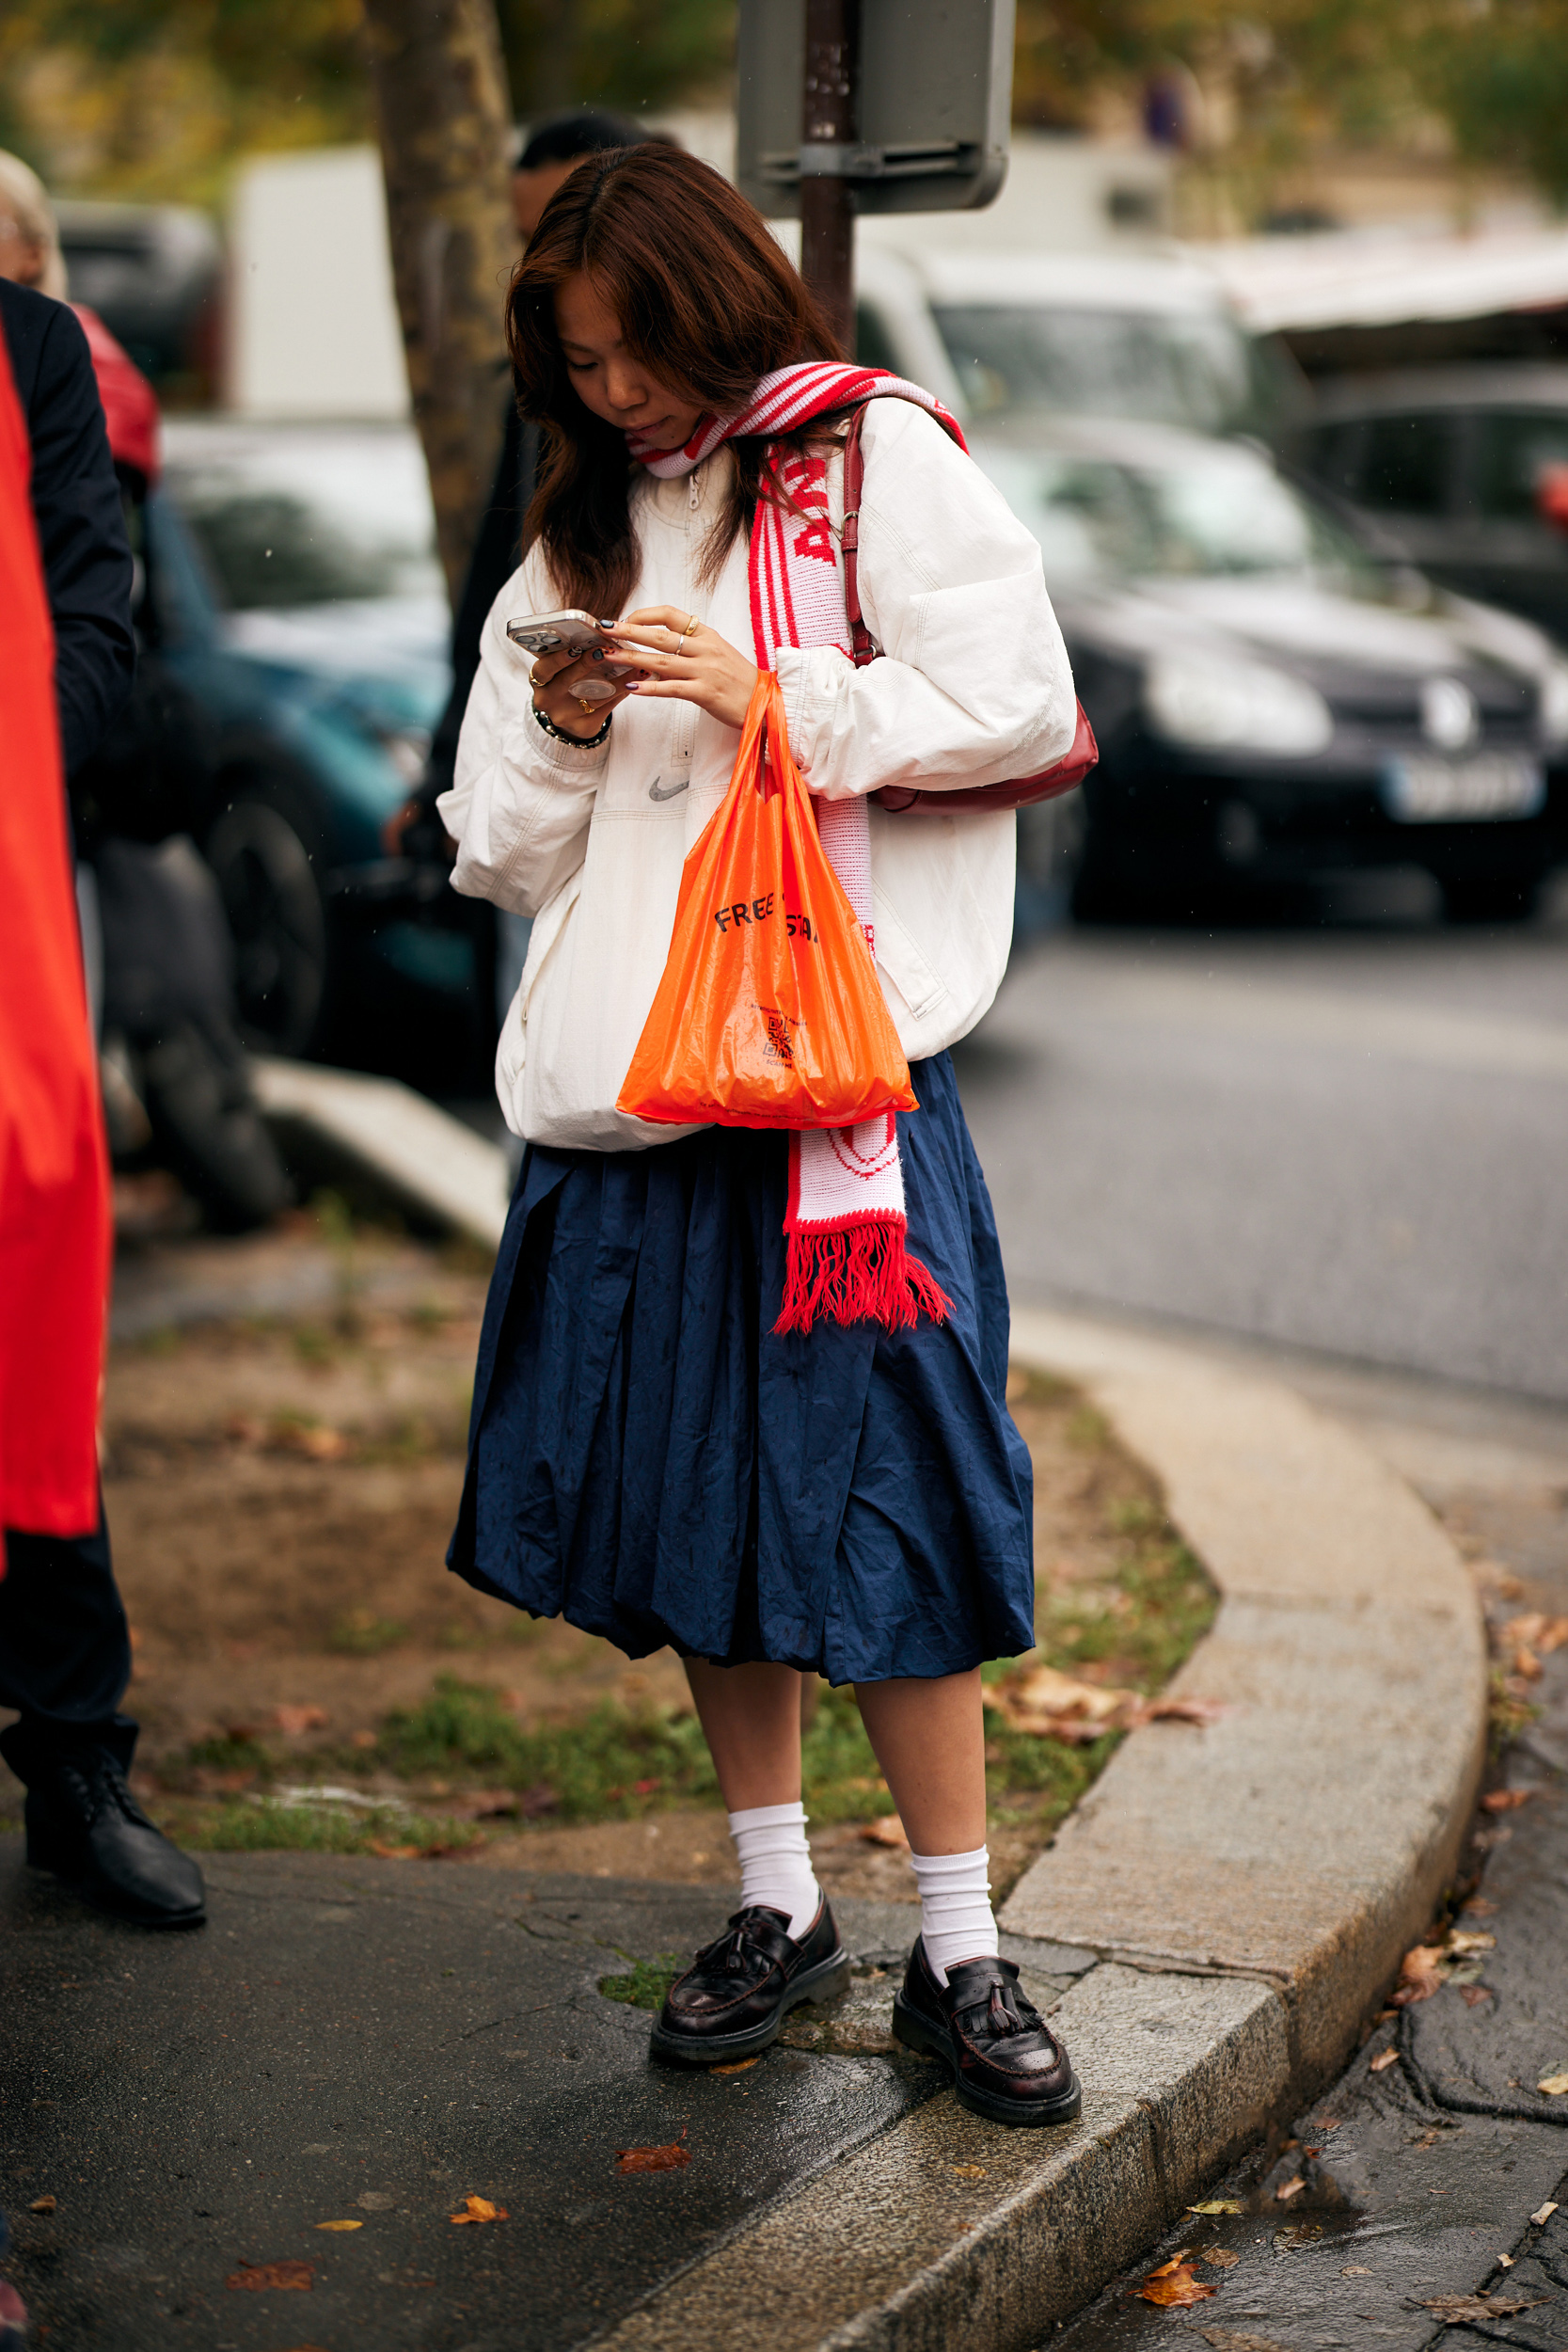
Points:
[(1437, 791)]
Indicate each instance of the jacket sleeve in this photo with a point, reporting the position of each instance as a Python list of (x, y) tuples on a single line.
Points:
[(521, 804), (974, 686), (86, 556)]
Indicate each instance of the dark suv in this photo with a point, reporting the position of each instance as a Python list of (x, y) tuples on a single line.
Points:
[(1460, 469)]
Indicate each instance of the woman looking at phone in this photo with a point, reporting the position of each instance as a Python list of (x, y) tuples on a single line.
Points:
[(650, 1454)]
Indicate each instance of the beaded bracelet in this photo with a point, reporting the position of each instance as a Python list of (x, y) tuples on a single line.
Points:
[(578, 742)]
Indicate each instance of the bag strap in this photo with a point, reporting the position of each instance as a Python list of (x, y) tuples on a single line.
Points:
[(1060, 777), (862, 646)]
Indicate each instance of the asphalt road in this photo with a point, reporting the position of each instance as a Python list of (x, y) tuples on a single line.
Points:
[(1350, 1138)]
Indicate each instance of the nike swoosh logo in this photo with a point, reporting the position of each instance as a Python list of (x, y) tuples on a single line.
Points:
[(658, 791)]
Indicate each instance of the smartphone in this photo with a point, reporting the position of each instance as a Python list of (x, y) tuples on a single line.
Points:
[(557, 632)]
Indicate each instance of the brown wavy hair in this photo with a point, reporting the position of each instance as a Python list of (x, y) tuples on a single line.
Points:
[(706, 302)]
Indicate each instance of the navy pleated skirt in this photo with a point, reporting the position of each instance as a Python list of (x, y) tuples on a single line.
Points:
[(649, 1461)]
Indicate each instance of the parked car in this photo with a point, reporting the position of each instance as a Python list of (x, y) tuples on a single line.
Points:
[(1272, 704), (301, 609), (1091, 334), (1461, 469)]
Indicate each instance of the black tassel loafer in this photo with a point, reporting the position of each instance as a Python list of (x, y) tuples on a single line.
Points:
[(741, 1988), (1007, 2062)]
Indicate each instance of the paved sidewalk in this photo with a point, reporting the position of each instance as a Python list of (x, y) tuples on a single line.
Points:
[(354, 2041), (375, 2041)]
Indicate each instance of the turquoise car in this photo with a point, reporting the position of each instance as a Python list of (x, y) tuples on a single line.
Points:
[(302, 616)]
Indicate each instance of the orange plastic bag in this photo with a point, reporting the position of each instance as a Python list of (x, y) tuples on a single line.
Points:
[(769, 1013)]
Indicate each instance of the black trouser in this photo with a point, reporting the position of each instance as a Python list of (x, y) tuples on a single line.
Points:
[(65, 1648)]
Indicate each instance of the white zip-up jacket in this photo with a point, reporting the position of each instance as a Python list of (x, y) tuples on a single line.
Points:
[(974, 688)]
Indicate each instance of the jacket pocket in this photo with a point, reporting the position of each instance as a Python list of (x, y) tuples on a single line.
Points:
[(917, 980)]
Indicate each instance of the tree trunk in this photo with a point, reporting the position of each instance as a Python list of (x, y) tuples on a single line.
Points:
[(440, 94)]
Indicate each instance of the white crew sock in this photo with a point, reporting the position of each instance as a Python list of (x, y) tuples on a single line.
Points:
[(957, 1921), (775, 1862)]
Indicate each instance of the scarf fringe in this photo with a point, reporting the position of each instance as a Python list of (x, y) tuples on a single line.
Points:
[(857, 1274)]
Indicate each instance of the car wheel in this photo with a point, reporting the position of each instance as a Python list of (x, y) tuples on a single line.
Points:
[(269, 873), (1490, 898)]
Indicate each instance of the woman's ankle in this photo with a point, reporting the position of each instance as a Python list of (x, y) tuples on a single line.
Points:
[(775, 1863), (957, 1921)]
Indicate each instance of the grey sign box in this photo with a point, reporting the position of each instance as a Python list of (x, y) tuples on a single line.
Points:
[(936, 81)]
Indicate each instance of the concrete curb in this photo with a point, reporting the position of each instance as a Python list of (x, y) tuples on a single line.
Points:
[(1247, 1890)]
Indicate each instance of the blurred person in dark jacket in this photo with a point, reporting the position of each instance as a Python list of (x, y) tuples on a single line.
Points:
[(65, 1650)]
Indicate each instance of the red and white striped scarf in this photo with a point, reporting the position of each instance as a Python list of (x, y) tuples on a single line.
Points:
[(845, 1222)]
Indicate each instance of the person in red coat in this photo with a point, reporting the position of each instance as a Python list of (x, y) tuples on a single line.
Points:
[(65, 621)]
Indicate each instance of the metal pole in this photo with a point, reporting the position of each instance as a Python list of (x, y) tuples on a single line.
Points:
[(827, 121)]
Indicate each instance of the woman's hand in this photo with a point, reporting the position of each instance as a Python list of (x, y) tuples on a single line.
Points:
[(686, 663), (573, 691)]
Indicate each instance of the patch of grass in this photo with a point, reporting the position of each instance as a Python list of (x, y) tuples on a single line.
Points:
[(1505, 1716), (648, 1983), (229, 1752), (611, 1766), (843, 1781), (363, 1634), (313, 1347), (317, 1828)]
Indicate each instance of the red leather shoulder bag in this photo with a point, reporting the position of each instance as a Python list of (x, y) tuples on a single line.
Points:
[(1020, 790)]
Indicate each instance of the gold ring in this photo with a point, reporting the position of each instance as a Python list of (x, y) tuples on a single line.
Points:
[(690, 628), (584, 706)]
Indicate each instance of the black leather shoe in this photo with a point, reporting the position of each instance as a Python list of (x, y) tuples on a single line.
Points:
[(84, 1824), (1007, 2062), (738, 1990)]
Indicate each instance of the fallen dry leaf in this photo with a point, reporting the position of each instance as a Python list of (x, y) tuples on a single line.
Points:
[(293, 1720), (886, 1831), (1536, 1631), (652, 2159), (1061, 1707), (41, 2204), (1452, 2309), (1356, 2270), (394, 1854), (1298, 2233), (970, 2171), (1217, 2204), (1507, 2261), (1505, 1800), (1554, 2086), (1181, 1711), (337, 2225), (1384, 2060), (1463, 1940), (737, 2066), (314, 1439), (259, 2277), (1173, 2285), (1479, 1908), (1419, 1976), (1543, 2214), (1218, 2257), (1290, 2188), (1473, 1995), (480, 2209)]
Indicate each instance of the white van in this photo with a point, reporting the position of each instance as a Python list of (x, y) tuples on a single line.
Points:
[(1089, 334)]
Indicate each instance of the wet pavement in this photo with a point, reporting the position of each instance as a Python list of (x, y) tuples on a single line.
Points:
[(373, 2044), (1416, 2177)]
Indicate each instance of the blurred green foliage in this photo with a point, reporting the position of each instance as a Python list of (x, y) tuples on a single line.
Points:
[(156, 99)]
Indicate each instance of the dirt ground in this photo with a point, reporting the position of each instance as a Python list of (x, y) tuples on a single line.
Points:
[(281, 1491)]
